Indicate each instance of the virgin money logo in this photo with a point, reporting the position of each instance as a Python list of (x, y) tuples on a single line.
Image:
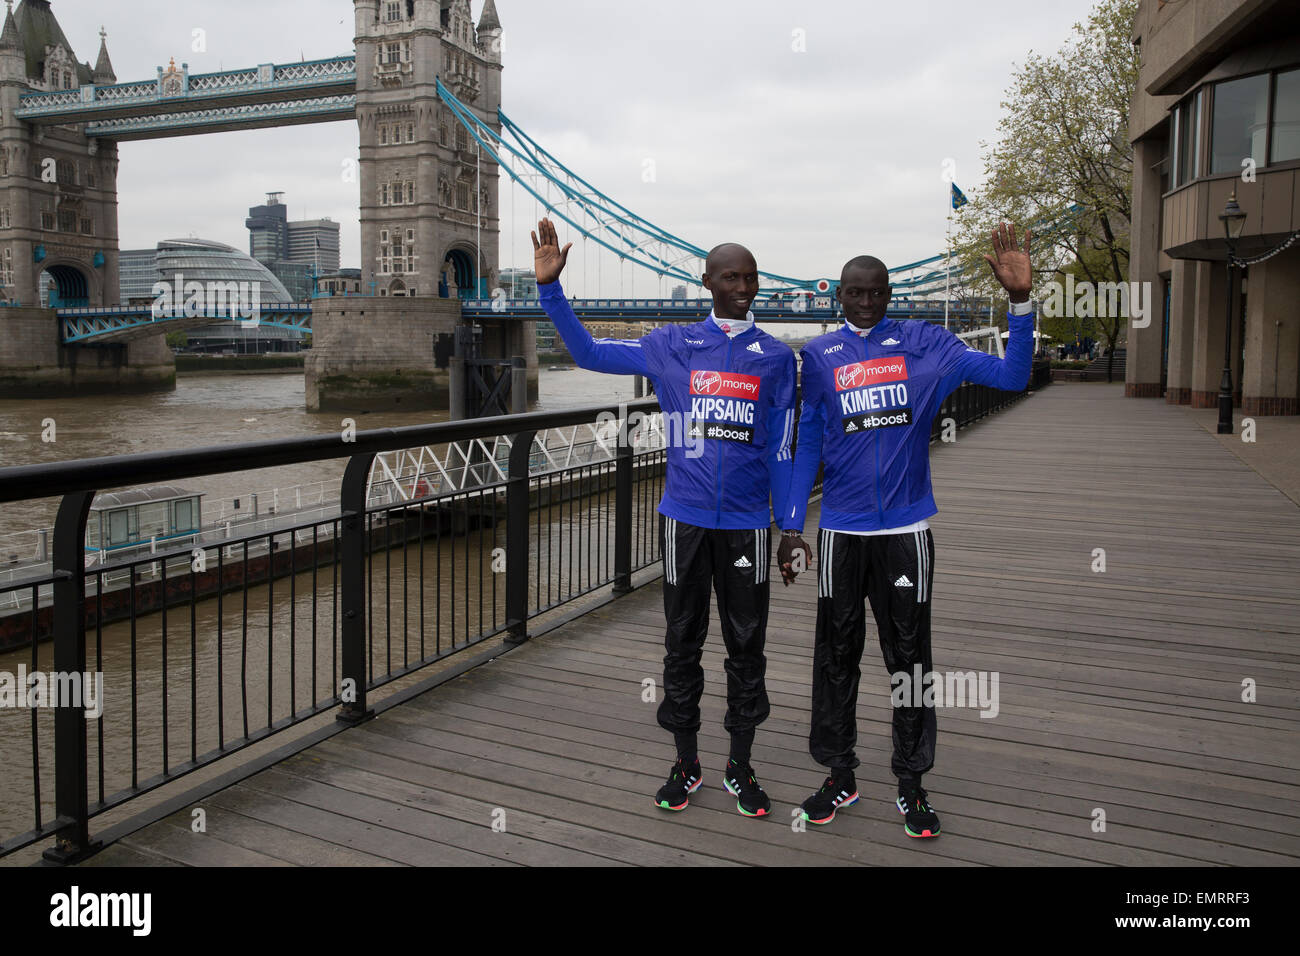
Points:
[(705, 383), (870, 373), (724, 384), (850, 376)]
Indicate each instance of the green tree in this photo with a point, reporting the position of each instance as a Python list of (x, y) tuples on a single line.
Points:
[(177, 340), (1063, 166)]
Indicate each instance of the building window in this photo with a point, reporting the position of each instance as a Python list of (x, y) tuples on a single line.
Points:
[(383, 134), (410, 237), (462, 138), (87, 226), (393, 10), (410, 193), (4, 218), (1286, 117), (1187, 141), (47, 221), (383, 235), (462, 196), (410, 132), (66, 172), (90, 176), (1240, 123), (67, 220)]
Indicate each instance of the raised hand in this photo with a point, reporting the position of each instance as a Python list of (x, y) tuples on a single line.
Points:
[(548, 258), (792, 556), (1010, 263)]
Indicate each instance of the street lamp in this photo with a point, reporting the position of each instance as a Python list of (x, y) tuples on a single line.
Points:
[(1234, 222)]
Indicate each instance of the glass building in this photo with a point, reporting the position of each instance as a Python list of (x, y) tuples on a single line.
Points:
[(201, 260)]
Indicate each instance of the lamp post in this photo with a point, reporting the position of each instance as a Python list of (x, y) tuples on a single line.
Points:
[(1234, 222)]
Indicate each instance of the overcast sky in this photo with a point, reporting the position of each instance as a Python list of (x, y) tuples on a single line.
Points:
[(809, 158)]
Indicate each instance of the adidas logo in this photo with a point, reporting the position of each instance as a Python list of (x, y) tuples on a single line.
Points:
[(695, 432), (850, 427), (743, 563), (754, 348), (890, 342), (903, 582)]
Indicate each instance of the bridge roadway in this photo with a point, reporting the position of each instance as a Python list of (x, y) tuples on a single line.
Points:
[(1119, 691)]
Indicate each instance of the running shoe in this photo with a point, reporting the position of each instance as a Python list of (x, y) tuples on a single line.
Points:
[(741, 783), (919, 818), (821, 806), (684, 779)]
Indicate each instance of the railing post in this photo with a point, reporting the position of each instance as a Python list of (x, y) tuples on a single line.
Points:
[(71, 784), (352, 550), (623, 516), (517, 538)]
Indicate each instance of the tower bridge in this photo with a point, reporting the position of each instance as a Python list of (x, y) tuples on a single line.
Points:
[(423, 84)]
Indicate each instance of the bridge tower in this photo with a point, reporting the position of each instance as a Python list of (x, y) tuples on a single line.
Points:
[(58, 187), (428, 208), (58, 218)]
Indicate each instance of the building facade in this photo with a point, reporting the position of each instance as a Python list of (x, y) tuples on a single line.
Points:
[(1217, 113)]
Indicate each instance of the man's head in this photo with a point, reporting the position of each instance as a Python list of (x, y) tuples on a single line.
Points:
[(864, 291), (731, 274)]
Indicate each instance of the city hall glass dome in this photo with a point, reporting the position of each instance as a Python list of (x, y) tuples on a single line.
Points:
[(202, 260)]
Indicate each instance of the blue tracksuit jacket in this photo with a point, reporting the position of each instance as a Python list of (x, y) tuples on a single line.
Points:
[(728, 408), (868, 404)]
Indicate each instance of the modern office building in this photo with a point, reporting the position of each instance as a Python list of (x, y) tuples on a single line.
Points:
[(294, 252), (137, 273), (315, 242), (519, 283), (268, 230), (1217, 114)]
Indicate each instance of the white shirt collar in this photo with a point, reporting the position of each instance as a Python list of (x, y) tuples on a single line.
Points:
[(733, 327)]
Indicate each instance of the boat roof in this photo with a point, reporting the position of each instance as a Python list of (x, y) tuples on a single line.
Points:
[(139, 496)]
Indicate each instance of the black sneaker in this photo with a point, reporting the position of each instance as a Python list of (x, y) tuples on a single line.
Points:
[(919, 818), (741, 783), (821, 806), (684, 779)]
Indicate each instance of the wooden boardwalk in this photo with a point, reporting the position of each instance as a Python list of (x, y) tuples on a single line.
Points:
[(1119, 691)]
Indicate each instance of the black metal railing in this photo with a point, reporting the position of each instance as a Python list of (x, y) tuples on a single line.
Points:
[(284, 624), (206, 652)]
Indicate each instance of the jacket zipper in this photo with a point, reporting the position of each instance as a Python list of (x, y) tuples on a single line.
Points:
[(721, 450)]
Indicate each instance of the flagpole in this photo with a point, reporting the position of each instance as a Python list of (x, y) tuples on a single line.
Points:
[(947, 271)]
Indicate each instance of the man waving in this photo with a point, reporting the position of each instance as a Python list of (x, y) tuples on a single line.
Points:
[(870, 392), (726, 389)]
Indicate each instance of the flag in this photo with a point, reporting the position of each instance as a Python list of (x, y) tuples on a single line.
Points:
[(958, 198)]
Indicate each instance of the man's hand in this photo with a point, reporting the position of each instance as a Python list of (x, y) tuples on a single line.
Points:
[(792, 556), (1010, 264), (548, 258)]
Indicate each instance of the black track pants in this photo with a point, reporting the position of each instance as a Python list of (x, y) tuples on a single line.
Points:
[(735, 564), (893, 572)]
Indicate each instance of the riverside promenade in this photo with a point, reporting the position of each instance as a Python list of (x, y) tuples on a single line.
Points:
[(1121, 736)]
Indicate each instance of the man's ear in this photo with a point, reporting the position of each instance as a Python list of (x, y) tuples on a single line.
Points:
[(704, 279)]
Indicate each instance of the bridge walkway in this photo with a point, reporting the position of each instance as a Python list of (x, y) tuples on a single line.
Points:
[(1119, 691)]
